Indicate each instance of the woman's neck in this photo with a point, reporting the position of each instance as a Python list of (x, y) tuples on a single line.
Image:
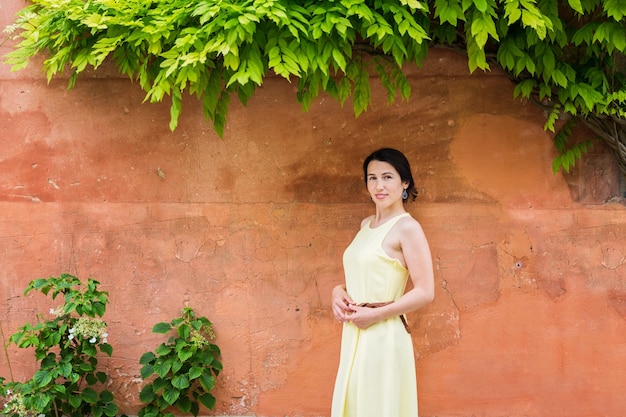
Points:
[(385, 213)]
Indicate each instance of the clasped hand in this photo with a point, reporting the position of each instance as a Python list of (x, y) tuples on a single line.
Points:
[(346, 310)]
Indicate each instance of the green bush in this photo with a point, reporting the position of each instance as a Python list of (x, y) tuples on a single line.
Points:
[(66, 345), (183, 370)]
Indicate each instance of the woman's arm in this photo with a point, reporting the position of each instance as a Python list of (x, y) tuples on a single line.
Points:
[(416, 253)]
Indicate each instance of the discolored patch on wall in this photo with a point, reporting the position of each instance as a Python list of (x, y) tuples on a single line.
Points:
[(478, 280), (327, 174), (595, 178), (25, 155), (617, 300), (435, 330), (508, 159), (516, 261)]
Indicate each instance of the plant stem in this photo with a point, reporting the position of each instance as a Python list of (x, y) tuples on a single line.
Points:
[(6, 352)]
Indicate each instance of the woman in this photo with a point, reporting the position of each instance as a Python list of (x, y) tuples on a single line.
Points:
[(376, 376)]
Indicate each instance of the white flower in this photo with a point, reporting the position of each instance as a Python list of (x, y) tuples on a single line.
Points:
[(52, 310), (72, 330), (10, 29), (70, 337), (105, 335), (92, 340), (104, 340)]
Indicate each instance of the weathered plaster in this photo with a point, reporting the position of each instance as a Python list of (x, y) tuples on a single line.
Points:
[(530, 306)]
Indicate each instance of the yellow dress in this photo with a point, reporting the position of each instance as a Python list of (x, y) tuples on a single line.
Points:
[(376, 376)]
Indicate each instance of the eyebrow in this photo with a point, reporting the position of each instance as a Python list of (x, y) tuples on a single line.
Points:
[(384, 173)]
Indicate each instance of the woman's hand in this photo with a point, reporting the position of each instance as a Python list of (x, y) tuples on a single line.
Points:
[(341, 303), (364, 317)]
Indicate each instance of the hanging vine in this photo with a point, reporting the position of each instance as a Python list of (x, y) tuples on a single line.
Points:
[(568, 55)]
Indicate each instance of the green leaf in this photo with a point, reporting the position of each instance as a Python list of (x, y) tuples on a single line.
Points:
[(159, 384), (615, 9), (58, 389), (65, 369), (184, 330), (524, 88), (207, 381), (175, 109), (38, 284), (207, 400), (576, 5), (476, 55), (162, 368), (161, 328), (106, 396), (180, 381), (559, 78), (75, 401), (42, 378), (195, 408), (185, 353), (163, 349), (88, 348), (146, 371), (41, 400), (177, 366), (146, 358), (110, 409), (183, 404), (91, 379), (548, 61), (98, 308), (97, 410), (171, 394), (481, 5), (106, 348), (556, 164), (195, 372), (147, 394), (149, 410), (89, 395)]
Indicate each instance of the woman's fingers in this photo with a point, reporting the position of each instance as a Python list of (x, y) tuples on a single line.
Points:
[(341, 311)]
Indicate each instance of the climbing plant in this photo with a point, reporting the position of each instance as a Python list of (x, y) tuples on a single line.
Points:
[(567, 56)]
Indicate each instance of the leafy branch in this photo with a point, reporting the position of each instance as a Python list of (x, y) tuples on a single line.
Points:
[(567, 55)]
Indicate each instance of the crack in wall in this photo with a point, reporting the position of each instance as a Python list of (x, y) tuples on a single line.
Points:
[(612, 259), (444, 285)]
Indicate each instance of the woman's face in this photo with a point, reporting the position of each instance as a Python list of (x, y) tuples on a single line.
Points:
[(384, 183)]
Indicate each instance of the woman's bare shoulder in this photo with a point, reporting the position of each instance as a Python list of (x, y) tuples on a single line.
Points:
[(408, 224), (366, 220)]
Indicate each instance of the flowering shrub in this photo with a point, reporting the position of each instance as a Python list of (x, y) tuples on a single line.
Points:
[(183, 369), (66, 347)]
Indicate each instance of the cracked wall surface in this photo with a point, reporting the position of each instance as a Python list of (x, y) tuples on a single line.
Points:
[(249, 230)]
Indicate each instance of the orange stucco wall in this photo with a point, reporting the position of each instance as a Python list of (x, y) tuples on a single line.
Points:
[(530, 311)]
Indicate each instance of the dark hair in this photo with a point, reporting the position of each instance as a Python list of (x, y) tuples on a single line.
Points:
[(399, 162)]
